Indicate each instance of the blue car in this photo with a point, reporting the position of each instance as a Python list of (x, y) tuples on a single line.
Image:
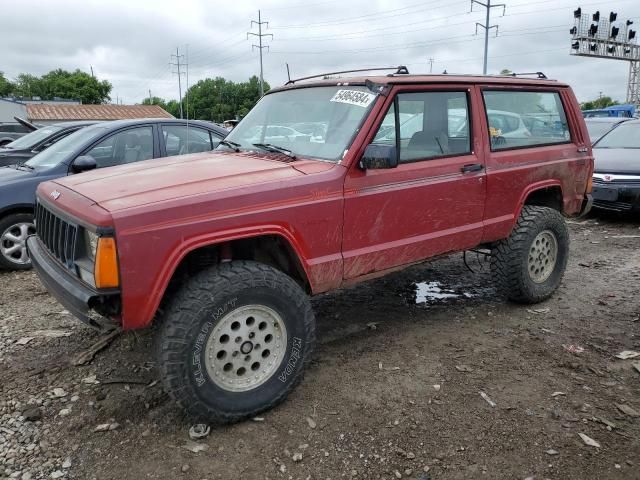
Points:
[(97, 146)]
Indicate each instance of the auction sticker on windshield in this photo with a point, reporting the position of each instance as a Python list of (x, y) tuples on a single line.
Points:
[(354, 97)]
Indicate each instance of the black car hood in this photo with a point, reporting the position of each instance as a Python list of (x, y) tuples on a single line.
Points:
[(617, 160)]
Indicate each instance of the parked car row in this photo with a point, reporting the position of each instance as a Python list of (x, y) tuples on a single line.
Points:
[(74, 147)]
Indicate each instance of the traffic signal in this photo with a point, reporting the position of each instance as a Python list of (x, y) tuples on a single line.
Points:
[(611, 49), (593, 47), (596, 16), (614, 32), (593, 29), (575, 45), (577, 13), (573, 31), (632, 34), (612, 17)]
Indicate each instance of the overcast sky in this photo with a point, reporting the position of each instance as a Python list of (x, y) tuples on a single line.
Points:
[(130, 42)]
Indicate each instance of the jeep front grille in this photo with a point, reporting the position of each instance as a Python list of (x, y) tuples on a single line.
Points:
[(58, 236)]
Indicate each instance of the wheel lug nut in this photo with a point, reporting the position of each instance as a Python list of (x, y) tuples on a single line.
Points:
[(251, 335)]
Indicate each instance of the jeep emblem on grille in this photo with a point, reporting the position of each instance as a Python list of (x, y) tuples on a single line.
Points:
[(55, 194)]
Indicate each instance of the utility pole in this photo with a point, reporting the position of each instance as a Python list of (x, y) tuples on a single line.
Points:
[(431, 65), (260, 47), (487, 27), (177, 64), (91, 67), (150, 98)]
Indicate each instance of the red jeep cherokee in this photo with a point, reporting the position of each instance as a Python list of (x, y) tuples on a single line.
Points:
[(325, 183)]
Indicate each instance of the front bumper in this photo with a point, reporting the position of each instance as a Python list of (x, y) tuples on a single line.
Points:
[(617, 197), (74, 295)]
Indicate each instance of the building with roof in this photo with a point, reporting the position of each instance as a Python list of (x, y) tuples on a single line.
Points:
[(46, 113)]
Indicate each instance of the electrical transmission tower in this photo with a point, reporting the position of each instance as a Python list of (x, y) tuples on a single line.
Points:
[(605, 37), (260, 47), (179, 62), (487, 27)]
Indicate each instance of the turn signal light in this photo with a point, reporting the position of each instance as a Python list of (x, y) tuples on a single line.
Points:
[(590, 184), (107, 274)]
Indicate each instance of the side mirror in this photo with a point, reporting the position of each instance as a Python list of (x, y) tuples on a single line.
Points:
[(379, 156), (83, 163)]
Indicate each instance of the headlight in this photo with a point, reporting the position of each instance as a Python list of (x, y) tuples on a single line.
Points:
[(92, 244)]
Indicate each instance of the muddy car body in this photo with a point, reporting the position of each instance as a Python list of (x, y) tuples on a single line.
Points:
[(232, 245)]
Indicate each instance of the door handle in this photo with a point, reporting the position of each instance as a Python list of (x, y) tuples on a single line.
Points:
[(472, 167)]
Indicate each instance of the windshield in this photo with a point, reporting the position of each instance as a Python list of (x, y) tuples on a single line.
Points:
[(32, 139), (60, 151), (626, 135), (315, 122), (598, 129)]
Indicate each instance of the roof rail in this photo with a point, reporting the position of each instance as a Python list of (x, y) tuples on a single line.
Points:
[(399, 70), (539, 75)]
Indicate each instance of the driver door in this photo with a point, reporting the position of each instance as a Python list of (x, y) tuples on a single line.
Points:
[(433, 202)]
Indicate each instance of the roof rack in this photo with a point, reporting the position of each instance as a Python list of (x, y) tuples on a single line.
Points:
[(399, 70), (539, 75)]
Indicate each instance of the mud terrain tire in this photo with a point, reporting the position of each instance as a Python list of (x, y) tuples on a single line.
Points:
[(528, 266), (234, 341)]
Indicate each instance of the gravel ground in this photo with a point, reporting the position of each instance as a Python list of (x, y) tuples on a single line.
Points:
[(462, 386)]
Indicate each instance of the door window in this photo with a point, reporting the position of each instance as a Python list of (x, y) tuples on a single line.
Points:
[(127, 146), (180, 140), (431, 125), (519, 119)]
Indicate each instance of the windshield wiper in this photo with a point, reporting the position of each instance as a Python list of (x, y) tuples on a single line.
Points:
[(270, 147), (229, 144), (23, 164)]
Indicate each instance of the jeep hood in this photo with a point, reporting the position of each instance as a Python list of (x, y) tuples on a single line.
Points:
[(151, 181), (617, 160)]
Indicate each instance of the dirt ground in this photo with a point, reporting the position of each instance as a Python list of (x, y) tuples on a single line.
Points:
[(393, 392)]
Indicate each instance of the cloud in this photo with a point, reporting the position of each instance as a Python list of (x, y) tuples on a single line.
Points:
[(131, 43)]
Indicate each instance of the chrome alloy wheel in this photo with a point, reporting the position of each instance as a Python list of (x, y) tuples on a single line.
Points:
[(246, 348), (543, 256), (13, 243)]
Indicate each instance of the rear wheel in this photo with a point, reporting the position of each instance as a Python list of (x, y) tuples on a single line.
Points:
[(14, 230), (235, 340), (529, 265)]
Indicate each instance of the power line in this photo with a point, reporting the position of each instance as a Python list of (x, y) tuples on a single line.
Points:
[(260, 47), (487, 27), (384, 15), (177, 64)]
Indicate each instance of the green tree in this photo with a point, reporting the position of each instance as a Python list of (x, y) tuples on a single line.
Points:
[(154, 101), (214, 99), (601, 102), (6, 87), (64, 84)]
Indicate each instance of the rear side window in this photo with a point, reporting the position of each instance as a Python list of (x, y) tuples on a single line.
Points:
[(431, 125), (520, 119), (180, 140)]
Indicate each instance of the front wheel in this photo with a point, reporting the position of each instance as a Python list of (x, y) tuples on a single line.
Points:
[(14, 230), (528, 266), (234, 341)]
